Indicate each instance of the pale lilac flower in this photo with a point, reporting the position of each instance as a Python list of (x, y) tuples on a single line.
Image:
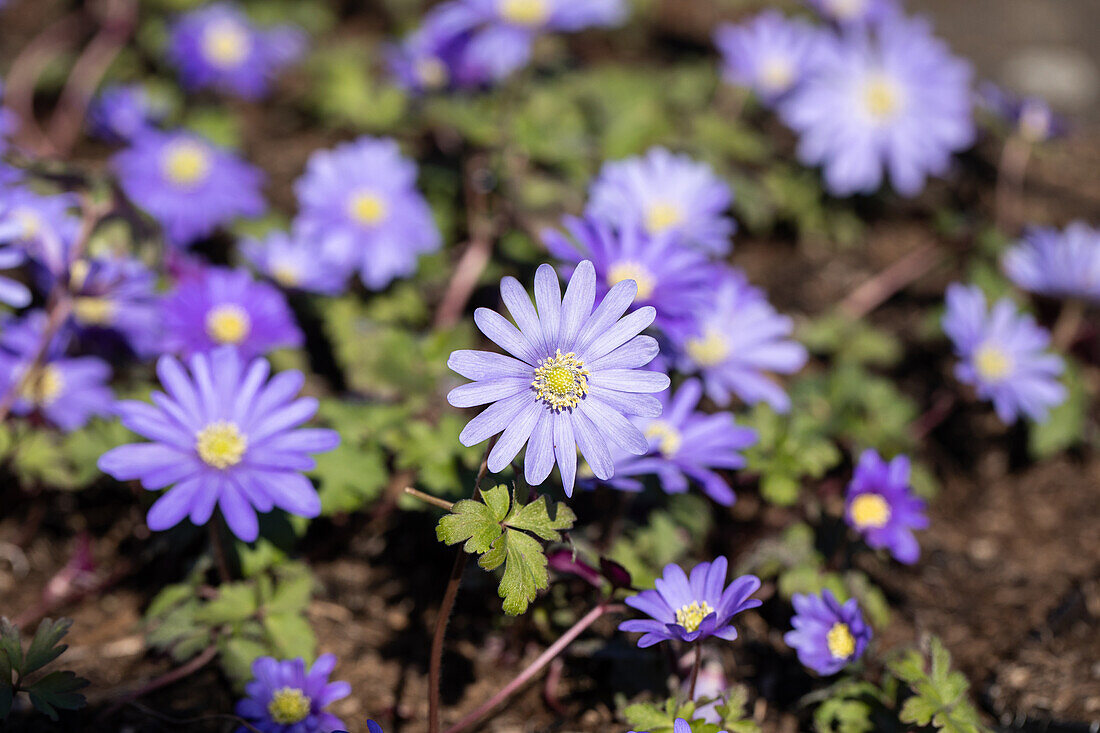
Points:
[(665, 193), (1062, 264), (284, 698), (573, 380), (1004, 355), (769, 54), (884, 101)]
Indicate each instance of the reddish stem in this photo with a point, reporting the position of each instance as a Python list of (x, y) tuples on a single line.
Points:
[(164, 680), (880, 288)]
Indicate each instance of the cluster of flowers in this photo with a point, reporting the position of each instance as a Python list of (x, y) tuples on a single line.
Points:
[(871, 93), (465, 44), (653, 232)]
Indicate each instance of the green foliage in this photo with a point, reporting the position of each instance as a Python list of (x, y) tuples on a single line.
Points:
[(1065, 425), (939, 695), (653, 718), (50, 692), (500, 529), (344, 93), (62, 461), (847, 707), (262, 615), (790, 449), (850, 341), (667, 537)]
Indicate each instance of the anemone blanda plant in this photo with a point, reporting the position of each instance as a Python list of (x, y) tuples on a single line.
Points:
[(882, 507), (693, 608), (769, 54), (572, 378), (217, 46), (188, 184), (886, 100), (665, 193), (216, 306), (686, 446), (1003, 355), (285, 697), (222, 434), (360, 207), (828, 635), (1060, 264)]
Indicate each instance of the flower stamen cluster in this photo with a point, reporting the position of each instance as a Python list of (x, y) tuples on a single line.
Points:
[(561, 381)]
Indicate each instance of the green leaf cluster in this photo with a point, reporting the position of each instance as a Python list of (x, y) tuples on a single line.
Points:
[(654, 718), (669, 536), (40, 457), (20, 671), (939, 694), (505, 531), (263, 615)]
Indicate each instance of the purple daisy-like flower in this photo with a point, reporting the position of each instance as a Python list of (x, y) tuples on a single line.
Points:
[(295, 263), (284, 698), (65, 391), (574, 379), (223, 434), (44, 227), (886, 100), (116, 298), (881, 506), (685, 445), (1062, 264), (217, 46), (692, 609), (1003, 355), (187, 183), (853, 12), (675, 279), (502, 32), (220, 306), (1029, 117), (734, 340), (122, 111), (431, 58), (359, 201), (828, 635), (770, 54), (12, 292), (665, 193)]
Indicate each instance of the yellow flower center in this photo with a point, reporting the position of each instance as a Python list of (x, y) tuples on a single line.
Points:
[(220, 444), (367, 208), (226, 43), (992, 363), (42, 387), (432, 73), (662, 216), (668, 438), (187, 163), (288, 706), (286, 275), (692, 615), (525, 12), (561, 381), (30, 224), (78, 274), (630, 270), (94, 311), (870, 511), (840, 641), (845, 9), (776, 75), (881, 98), (709, 350), (228, 324)]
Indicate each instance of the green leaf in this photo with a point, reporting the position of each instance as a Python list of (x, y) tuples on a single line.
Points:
[(235, 602), (939, 696), (237, 654), (291, 635), (44, 646), (1065, 425), (57, 691), (496, 528), (7, 696), (292, 593), (11, 645)]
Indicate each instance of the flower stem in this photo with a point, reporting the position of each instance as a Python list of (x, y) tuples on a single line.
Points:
[(1068, 324), (429, 499), (532, 669), (435, 667), (695, 671), (217, 549), (1010, 181)]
